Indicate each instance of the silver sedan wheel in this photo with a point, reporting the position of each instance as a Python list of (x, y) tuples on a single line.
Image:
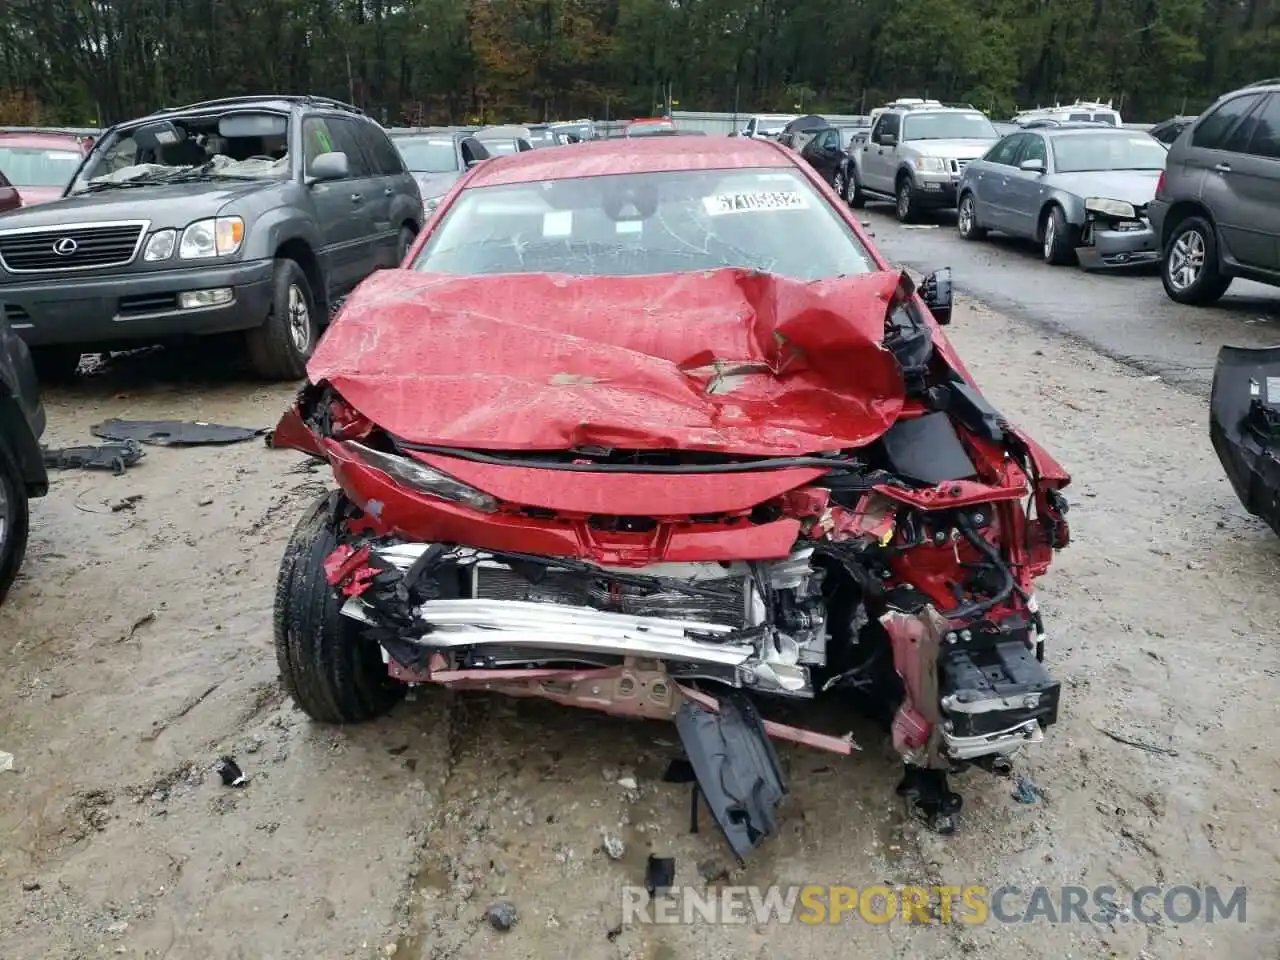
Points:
[(1186, 260), (837, 184), (300, 331), (966, 216)]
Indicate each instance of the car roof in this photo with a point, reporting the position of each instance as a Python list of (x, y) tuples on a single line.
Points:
[(50, 141), (1084, 129), (639, 155)]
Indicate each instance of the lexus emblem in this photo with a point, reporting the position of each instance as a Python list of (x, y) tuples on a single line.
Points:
[(65, 247)]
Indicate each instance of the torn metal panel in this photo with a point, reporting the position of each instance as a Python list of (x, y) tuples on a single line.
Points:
[(552, 362), (116, 457)]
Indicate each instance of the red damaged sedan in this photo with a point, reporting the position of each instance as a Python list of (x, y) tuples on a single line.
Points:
[(651, 428)]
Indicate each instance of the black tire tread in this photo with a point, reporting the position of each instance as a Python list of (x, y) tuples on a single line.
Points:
[(15, 546), (1212, 283), (271, 351), (326, 667)]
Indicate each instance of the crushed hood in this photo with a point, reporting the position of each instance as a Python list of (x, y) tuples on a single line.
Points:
[(730, 361), (1131, 186)]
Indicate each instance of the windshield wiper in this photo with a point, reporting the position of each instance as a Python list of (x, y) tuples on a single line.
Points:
[(93, 187)]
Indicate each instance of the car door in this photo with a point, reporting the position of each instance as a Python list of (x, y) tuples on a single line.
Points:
[(1213, 159), (878, 158), (1243, 188), (392, 184), (991, 181), (1024, 190), (337, 205), (370, 205), (819, 152)]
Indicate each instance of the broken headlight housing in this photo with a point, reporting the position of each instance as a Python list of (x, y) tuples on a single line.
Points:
[(1111, 209), (423, 479)]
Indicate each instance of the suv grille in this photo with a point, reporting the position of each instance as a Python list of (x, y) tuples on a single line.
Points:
[(957, 166), (75, 247)]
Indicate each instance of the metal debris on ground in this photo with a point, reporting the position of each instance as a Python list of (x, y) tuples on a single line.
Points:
[(502, 915), (230, 772), (128, 503), (6, 761), (116, 457), (1026, 791), (1140, 744), (613, 846), (173, 433)]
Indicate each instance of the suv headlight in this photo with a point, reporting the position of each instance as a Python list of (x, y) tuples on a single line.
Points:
[(160, 246), (931, 164), (215, 237), (422, 478), (1111, 208)]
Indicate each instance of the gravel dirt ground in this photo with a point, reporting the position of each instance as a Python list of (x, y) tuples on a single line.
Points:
[(136, 649)]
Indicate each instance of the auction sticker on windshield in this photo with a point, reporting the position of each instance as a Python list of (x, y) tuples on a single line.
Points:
[(751, 202)]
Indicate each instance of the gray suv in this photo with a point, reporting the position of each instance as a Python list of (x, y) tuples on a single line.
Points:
[(248, 215), (1216, 211)]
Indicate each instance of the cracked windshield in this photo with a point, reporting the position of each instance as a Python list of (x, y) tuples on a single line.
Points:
[(622, 225)]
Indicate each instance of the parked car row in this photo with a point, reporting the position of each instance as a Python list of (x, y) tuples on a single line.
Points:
[(1200, 196)]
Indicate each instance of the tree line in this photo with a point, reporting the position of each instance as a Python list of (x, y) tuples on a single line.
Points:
[(91, 62)]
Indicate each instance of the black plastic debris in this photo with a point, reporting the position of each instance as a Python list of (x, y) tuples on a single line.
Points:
[(659, 874), (116, 457), (934, 802), (230, 772), (737, 769), (679, 770), (502, 915), (173, 433)]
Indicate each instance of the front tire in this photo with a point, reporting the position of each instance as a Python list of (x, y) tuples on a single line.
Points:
[(906, 201), (403, 243), (14, 520), (839, 186), (857, 199), (332, 673), (1190, 269), (280, 348), (1057, 246), (967, 219)]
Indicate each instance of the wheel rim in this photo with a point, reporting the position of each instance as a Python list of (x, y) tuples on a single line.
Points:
[(966, 215), (1186, 259), (1050, 236), (838, 183), (299, 319), (904, 200)]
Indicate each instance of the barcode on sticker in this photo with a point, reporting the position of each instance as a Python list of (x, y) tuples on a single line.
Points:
[(751, 202)]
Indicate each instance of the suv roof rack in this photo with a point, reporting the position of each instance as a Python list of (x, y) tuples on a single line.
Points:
[(1270, 81), (263, 98), (959, 106)]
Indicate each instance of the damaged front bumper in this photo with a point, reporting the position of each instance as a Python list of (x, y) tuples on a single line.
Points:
[(970, 695), (1244, 426), (1105, 245)]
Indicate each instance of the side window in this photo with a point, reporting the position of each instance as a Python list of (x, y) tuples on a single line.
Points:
[(751, 125), (317, 138), (1004, 151), (386, 161), (1076, 117), (1266, 133), (346, 133), (1213, 130), (892, 124), (1035, 149)]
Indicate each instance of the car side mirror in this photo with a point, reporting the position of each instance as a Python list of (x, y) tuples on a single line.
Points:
[(935, 291), (330, 166), (1032, 166), (888, 140)]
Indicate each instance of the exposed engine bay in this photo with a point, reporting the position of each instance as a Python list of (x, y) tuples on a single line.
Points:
[(896, 576)]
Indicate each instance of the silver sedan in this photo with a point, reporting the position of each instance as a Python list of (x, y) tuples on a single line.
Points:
[(1081, 192)]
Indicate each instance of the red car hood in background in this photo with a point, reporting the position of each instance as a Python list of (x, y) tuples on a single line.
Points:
[(726, 360)]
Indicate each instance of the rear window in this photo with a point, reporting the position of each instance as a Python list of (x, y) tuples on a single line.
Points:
[(634, 224), (428, 154)]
